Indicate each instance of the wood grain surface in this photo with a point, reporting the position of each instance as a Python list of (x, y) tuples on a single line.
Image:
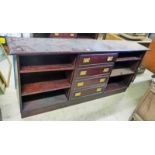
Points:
[(23, 46)]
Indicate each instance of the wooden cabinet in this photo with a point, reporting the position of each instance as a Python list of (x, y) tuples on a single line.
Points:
[(55, 73)]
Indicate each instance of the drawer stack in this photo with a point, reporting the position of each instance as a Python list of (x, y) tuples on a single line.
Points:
[(91, 74)]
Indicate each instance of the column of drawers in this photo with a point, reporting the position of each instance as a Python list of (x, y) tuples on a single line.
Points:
[(91, 74)]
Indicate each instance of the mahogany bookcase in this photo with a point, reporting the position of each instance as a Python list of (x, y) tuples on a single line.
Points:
[(55, 73)]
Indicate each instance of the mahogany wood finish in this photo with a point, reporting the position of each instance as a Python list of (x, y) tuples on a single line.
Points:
[(63, 35), (93, 71), (101, 81), (45, 68), (55, 73), (39, 87), (90, 59), (87, 92)]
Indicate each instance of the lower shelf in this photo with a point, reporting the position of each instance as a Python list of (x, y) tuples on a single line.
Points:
[(35, 104), (39, 87), (43, 104), (115, 87)]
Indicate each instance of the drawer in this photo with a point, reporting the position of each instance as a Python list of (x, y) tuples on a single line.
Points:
[(80, 84), (63, 35), (90, 59), (93, 71), (86, 92)]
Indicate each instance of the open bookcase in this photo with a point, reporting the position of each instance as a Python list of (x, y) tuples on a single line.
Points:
[(124, 70), (55, 73), (45, 80)]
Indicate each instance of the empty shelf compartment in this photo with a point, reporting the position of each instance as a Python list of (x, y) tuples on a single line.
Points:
[(121, 71), (118, 83), (40, 87), (121, 59), (43, 101), (45, 68), (115, 86)]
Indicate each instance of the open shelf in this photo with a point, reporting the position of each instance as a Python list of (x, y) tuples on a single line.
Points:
[(45, 86), (45, 68), (121, 71), (115, 87), (121, 59), (118, 83), (43, 101)]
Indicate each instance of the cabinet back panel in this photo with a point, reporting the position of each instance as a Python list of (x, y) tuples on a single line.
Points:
[(45, 76), (125, 79), (35, 60), (135, 54)]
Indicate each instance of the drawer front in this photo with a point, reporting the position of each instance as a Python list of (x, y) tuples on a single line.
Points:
[(63, 35), (90, 59), (80, 84), (93, 71), (86, 92)]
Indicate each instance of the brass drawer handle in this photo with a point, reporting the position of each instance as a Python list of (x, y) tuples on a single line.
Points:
[(106, 70), (82, 73), (80, 84), (86, 60), (77, 94), (99, 89), (110, 58), (102, 80)]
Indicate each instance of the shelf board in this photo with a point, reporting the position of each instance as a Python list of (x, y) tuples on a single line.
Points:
[(127, 59), (40, 87), (121, 71), (43, 104), (115, 87), (45, 68)]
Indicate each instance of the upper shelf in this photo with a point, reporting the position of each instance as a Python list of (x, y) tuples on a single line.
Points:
[(121, 59), (45, 68), (121, 71), (26, 46)]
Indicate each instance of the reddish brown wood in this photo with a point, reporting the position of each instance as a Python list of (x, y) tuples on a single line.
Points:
[(127, 59), (87, 92), (93, 71), (46, 86), (100, 81), (63, 35), (44, 68), (43, 103), (61, 102), (121, 71), (52, 58), (96, 59), (115, 87)]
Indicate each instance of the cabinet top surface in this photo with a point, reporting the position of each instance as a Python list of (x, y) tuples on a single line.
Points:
[(23, 46)]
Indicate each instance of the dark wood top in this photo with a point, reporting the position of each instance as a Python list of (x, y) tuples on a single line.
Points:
[(23, 46)]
